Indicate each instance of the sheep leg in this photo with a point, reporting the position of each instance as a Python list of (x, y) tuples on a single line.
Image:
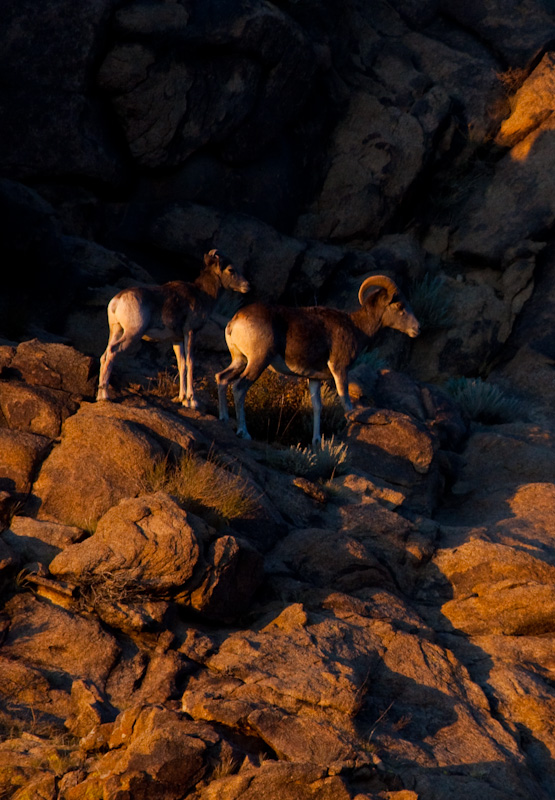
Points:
[(227, 376), (314, 388), (117, 343), (178, 349), (223, 379), (190, 399), (128, 319), (184, 357), (185, 360), (342, 386), (240, 390), (251, 373)]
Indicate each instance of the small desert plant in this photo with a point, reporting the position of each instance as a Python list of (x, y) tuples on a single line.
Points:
[(430, 302), (332, 458), (371, 357), (296, 460), (165, 384), (364, 374), (107, 586), (228, 765), (203, 484), (512, 79), (324, 462), (276, 408), (483, 402), (77, 518), (279, 409)]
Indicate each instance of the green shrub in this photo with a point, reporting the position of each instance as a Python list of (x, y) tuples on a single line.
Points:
[(371, 357), (332, 458), (484, 402), (324, 462), (431, 302)]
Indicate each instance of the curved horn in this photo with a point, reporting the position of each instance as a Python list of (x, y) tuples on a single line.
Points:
[(382, 282), (212, 252)]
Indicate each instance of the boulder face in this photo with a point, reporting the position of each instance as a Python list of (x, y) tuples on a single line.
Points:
[(41, 384), (148, 539), (396, 448), (187, 614), (228, 99), (105, 454)]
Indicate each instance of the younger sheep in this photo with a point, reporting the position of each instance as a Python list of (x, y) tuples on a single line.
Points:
[(171, 312)]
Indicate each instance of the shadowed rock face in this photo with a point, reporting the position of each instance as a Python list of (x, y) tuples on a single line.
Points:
[(386, 633)]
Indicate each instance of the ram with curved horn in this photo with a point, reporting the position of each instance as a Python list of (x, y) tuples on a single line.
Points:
[(317, 343)]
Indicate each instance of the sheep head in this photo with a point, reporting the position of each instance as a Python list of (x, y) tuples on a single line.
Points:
[(397, 312), (230, 277)]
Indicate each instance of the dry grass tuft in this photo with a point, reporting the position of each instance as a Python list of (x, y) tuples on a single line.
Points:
[(204, 485), (512, 79), (275, 408), (165, 384), (278, 409), (107, 586)]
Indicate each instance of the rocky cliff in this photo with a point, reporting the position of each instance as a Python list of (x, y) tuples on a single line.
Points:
[(188, 615)]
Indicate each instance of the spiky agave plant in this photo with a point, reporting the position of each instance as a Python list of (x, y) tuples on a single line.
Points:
[(484, 402), (430, 302), (330, 459)]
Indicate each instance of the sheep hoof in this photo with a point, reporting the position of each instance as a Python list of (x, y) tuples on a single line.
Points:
[(242, 434), (191, 402)]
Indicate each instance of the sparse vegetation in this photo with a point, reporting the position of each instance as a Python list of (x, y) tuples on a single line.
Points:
[(331, 459), (512, 79), (165, 384), (279, 410), (108, 586), (227, 766), (371, 357), (203, 485), (363, 376), (484, 402), (275, 408), (430, 302)]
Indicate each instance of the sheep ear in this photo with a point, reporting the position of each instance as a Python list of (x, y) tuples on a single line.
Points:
[(211, 258)]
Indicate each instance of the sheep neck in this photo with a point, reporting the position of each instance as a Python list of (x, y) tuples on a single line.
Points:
[(209, 283), (368, 320)]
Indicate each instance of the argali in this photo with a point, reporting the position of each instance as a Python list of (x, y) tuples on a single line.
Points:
[(317, 343), (174, 312)]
